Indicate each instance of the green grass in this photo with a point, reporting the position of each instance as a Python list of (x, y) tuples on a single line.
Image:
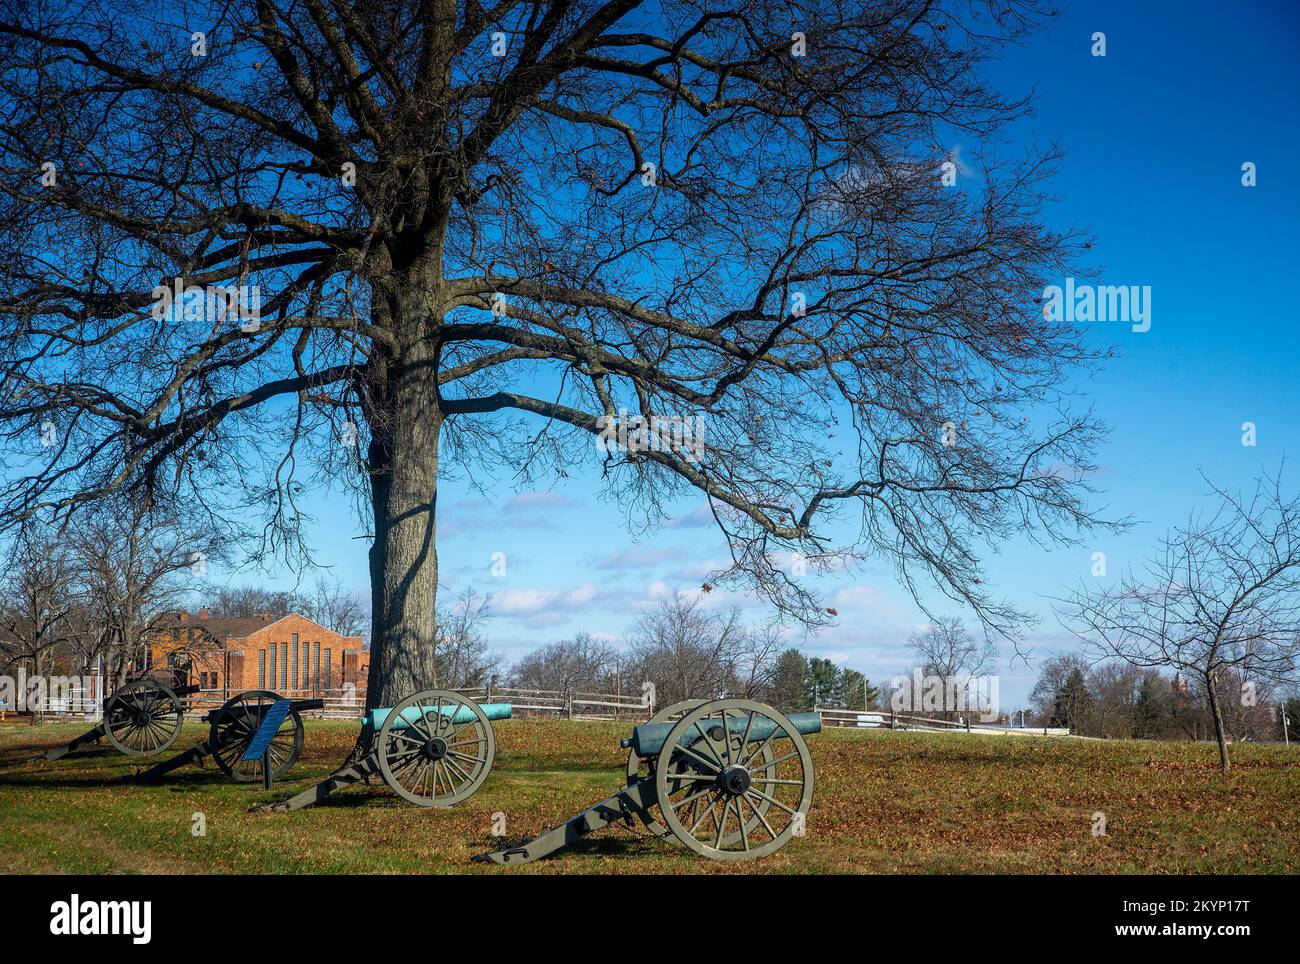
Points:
[(903, 803)]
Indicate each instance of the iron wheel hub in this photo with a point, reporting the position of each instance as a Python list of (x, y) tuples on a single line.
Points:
[(436, 748), (734, 781)]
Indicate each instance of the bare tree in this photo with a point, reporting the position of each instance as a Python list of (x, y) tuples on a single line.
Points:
[(463, 656), (754, 662), (1219, 600), (681, 212), (1060, 694), (346, 612), (235, 602), (946, 649), (132, 566), (37, 602), (685, 650), (567, 665)]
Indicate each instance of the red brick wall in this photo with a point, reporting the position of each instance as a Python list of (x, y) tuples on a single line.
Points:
[(322, 660), (316, 664)]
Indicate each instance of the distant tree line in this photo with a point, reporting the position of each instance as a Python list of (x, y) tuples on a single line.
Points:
[(1117, 700), (687, 651)]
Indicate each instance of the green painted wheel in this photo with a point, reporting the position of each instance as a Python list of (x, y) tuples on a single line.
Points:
[(639, 768), (734, 762), (143, 718), (233, 727), (435, 748)]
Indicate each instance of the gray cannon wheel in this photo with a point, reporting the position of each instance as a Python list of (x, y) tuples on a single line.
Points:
[(705, 781), (686, 771), (434, 756), (232, 730), (639, 768), (143, 718)]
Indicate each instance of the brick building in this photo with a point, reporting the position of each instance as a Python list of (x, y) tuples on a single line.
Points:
[(291, 655)]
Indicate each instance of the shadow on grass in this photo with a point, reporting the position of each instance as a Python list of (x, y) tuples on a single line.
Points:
[(347, 800), (594, 846), (19, 755), (72, 780)]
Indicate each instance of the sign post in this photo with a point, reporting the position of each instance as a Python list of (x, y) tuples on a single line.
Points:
[(261, 743)]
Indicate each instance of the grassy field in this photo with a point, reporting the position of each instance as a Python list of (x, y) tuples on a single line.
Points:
[(885, 803)]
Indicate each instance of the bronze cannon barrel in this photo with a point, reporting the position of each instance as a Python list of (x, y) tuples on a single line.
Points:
[(648, 738)]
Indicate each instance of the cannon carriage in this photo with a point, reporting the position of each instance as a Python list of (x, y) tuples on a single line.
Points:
[(433, 749), (231, 729), (729, 779), (142, 718)]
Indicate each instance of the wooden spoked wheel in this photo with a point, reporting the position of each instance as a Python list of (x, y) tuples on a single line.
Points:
[(642, 768), (734, 780), (435, 748), (143, 718), (232, 730)]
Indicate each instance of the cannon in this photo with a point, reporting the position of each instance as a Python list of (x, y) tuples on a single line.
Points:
[(433, 749), (142, 718), (230, 732), (729, 779)]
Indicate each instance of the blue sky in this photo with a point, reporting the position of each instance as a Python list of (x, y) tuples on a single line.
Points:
[(1156, 134)]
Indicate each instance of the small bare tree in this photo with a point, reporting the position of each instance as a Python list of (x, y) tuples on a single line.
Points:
[(345, 611), (1220, 596), (1060, 695), (567, 664), (133, 565), (686, 651), (754, 663), (462, 656), (37, 602), (948, 650)]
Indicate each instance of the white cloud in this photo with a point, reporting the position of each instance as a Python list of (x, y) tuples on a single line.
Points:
[(530, 501), (636, 557), (530, 602), (856, 597), (695, 519)]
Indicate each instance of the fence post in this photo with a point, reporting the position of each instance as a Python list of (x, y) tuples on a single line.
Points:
[(568, 705)]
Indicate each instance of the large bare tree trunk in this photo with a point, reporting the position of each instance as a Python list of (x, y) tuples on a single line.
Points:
[(1212, 687), (403, 461)]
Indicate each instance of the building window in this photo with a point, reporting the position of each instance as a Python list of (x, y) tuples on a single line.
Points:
[(261, 669), (315, 665), (284, 666), (294, 662), (273, 663), (329, 679)]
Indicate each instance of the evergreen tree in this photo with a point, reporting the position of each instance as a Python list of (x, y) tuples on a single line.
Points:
[(1073, 700), (1152, 708), (788, 681), (821, 683), (853, 691), (1292, 708)]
